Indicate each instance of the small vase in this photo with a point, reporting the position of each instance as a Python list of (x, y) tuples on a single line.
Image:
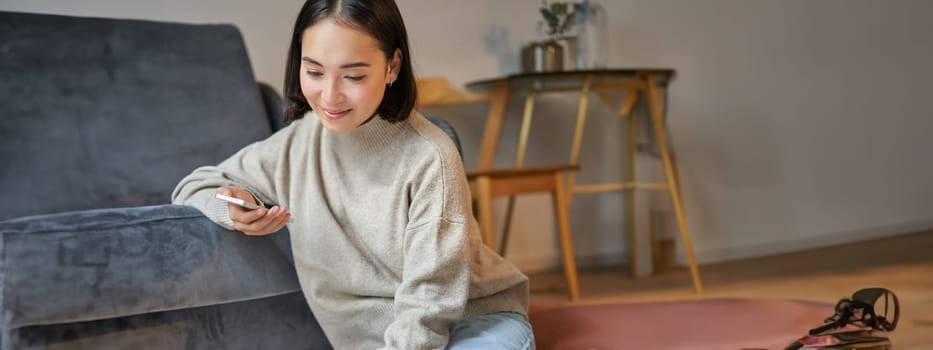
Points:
[(571, 50), (543, 56)]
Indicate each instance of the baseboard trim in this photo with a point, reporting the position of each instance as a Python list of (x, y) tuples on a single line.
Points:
[(710, 256), (803, 243), (553, 263)]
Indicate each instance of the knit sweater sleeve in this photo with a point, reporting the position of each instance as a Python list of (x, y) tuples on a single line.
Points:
[(251, 168), (436, 267)]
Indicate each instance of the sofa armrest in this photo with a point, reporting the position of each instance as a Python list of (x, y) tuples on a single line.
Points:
[(99, 264), (275, 108)]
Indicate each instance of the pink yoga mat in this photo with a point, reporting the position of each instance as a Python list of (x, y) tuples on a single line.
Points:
[(729, 324)]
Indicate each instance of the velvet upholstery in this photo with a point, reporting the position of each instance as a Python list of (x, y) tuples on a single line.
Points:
[(114, 262), (449, 130), (267, 323), (99, 119), (102, 113)]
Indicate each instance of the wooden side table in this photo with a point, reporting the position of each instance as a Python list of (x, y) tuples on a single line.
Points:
[(638, 83)]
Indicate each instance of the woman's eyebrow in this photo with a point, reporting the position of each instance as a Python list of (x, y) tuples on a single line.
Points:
[(343, 66)]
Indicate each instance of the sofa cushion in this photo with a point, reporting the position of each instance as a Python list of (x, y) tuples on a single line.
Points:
[(280, 323), (99, 264), (98, 113)]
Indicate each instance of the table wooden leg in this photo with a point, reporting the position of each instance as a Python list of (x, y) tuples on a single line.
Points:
[(506, 225), (578, 134), (561, 214), (484, 197), (498, 101), (657, 118), (519, 162), (628, 104), (630, 210)]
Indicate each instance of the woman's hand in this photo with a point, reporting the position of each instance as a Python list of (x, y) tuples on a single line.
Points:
[(256, 222)]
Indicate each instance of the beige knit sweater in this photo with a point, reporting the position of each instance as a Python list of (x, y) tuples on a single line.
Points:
[(386, 248)]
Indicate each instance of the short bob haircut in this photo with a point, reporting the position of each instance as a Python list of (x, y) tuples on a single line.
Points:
[(382, 20)]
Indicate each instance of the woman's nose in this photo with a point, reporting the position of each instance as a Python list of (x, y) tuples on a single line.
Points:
[(331, 93)]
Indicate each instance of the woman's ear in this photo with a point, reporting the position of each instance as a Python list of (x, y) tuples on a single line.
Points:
[(394, 66)]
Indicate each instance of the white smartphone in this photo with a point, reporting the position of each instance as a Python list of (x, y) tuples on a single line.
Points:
[(237, 201)]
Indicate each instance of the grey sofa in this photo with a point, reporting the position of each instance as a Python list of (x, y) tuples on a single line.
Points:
[(99, 119)]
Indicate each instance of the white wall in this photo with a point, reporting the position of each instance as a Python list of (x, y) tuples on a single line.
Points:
[(797, 123)]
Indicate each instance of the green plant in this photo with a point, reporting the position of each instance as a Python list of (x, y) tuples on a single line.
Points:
[(556, 16)]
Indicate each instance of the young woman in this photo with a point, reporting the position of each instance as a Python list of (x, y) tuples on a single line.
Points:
[(375, 197)]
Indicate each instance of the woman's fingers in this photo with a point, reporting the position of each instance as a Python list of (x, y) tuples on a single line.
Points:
[(265, 224), (283, 219), (243, 215), (272, 221), (255, 222)]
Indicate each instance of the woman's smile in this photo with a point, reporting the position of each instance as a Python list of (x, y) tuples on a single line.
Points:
[(336, 113)]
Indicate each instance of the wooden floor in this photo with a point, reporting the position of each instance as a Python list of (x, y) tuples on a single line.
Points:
[(903, 264)]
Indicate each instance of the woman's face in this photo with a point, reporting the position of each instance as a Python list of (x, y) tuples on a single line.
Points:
[(343, 74)]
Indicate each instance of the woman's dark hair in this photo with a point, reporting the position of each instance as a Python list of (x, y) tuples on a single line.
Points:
[(382, 20)]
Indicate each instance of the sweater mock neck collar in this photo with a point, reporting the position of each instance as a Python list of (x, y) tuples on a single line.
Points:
[(372, 136)]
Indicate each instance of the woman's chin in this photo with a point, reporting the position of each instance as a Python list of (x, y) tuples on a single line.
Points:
[(340, 126), (337, 129)]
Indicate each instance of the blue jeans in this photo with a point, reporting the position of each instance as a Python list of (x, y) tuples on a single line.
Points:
[(498, 331)]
